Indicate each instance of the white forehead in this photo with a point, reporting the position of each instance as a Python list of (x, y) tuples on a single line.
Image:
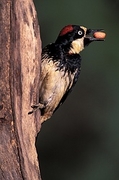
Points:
[(84, 28)]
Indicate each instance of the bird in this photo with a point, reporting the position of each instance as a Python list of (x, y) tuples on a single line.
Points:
[(61, 67)]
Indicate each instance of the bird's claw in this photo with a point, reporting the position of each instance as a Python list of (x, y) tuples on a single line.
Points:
[(36, 106)]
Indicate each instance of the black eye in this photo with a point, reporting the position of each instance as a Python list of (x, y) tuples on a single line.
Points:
[(80, 32)]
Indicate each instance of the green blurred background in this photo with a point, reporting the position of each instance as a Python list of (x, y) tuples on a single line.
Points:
[(81, 140)]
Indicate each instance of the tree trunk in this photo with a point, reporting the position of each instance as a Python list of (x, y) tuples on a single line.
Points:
[(20, 50)]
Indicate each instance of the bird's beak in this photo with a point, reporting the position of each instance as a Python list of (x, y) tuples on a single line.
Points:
[(94, 35)]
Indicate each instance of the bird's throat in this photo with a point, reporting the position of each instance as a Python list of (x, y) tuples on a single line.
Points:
[(76, 46)]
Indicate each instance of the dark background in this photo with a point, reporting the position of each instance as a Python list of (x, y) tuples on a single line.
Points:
[(81, 140)]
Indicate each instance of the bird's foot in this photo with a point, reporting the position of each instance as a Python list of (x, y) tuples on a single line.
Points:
[(36, 106)]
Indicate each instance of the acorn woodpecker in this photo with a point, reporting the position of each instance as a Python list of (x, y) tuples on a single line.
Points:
[(61, 66)]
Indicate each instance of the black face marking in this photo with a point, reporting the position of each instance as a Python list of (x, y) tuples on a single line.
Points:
[(81, 33), (78, 32), (68, 37)]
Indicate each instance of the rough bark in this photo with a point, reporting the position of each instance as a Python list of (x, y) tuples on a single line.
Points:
[(19, 81)]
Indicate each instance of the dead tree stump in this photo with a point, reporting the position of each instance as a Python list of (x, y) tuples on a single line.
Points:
[(20, 51)]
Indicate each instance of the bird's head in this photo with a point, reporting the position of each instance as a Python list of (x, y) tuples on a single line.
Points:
[(74, 38)]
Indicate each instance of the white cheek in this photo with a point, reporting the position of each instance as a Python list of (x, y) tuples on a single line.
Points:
[(80, 43), (77, 45)]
